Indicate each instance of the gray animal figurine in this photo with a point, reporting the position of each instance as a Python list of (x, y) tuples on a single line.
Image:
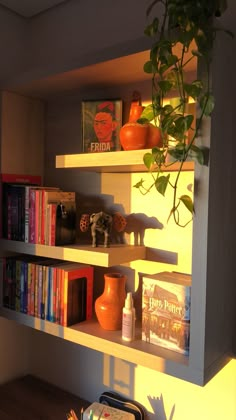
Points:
[(101, 222)]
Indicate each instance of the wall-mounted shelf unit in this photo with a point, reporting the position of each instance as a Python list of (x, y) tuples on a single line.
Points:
[(213, 286)]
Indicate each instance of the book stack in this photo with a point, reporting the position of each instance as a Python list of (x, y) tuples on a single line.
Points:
[(166, 302), (14, 205), (52, 290), (36, 214)]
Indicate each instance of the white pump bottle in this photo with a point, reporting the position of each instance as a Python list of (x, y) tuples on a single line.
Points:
[(128, 319)]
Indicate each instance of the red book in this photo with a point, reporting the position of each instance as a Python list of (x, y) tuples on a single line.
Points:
[(52, 224), (45, 196), (77, 304)]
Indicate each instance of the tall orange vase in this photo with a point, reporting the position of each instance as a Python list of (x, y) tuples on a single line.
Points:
[(108, 306)]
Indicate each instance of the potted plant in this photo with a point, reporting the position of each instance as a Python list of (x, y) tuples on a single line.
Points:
[(190, 26)]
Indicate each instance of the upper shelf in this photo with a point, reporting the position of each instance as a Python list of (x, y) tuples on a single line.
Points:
[(120, 161), (100, 256)]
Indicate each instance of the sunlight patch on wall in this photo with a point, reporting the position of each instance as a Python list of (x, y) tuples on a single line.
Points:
[(171, 238), (166, 396)]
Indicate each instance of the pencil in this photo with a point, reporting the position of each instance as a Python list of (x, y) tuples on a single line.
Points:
[(91, 415), (73, 415), (81, 413)]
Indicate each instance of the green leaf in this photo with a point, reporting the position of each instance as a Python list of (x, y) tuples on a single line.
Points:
[(196, 53), (149, 67), (196, 154), (207, 104), (158, 156), (167, 109), (194, 89), (177, 153), (172, 59), (139, 184), (148, 113), (188, 119), (152, 29), (165, 86), (161, 184), (183, 123), (148, 160), (187, 201)]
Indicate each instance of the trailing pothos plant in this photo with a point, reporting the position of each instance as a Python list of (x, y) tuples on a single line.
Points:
[(190, 25)]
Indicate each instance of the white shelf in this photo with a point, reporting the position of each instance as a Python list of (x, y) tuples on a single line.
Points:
[(102, 257), (91, 335), (120, 161)]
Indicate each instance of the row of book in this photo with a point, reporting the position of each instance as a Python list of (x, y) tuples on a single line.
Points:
[(35, 214), (53, 290)]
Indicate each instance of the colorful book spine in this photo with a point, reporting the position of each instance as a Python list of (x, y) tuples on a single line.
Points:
[(32, 290), (52, 224), (27, 199), (18, 285), (32, 203)]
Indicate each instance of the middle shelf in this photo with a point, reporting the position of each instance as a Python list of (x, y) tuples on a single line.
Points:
[(103, 257)]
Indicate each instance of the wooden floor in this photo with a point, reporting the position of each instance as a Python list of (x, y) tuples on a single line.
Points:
[(29, 398)]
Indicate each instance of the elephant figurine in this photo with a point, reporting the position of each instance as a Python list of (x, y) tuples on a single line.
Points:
[(101, 223)]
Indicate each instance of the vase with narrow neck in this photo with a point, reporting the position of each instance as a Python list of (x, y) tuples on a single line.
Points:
[(108, 306)]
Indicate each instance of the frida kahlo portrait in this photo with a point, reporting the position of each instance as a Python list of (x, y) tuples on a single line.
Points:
[(101, 123)]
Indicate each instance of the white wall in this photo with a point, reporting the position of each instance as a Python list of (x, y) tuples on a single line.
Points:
[(88, 373), (14, 350)]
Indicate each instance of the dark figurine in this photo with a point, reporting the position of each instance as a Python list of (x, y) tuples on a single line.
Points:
[(101, 222)]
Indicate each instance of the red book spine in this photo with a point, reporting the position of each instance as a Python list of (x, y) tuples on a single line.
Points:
[(58, 297), (43, 218), (37, 216), (65, 298), (62, 308), (55, 286)]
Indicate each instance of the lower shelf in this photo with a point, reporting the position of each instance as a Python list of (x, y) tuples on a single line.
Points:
[(91, 335), (30, 398)]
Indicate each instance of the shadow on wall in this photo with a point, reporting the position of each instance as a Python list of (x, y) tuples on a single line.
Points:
[(159, 409), (137, 223), (119, 377)]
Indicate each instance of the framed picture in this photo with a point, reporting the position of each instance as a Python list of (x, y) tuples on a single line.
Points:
[(101, 123)]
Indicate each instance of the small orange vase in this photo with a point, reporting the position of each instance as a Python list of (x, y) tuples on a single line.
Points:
[(135, 112), (108, 306)]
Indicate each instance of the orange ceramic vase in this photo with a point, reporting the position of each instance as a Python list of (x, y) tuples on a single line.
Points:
[(133, 136), (135, 112), (108, 306)]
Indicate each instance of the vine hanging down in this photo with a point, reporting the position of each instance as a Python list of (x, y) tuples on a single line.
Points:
[(190, 27)]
